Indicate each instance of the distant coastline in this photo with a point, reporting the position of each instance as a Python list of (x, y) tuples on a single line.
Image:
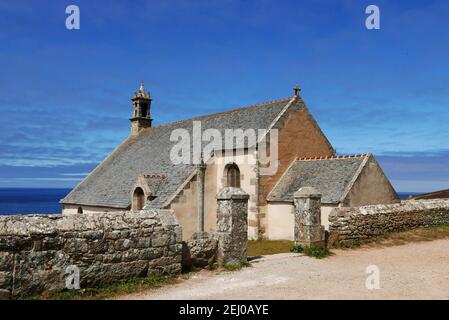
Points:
[(46, 200)]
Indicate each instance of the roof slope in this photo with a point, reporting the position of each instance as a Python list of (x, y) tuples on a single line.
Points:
[(111, 183), (331, 176)]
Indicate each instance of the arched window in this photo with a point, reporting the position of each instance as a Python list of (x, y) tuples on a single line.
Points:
[(80, 210), (233, 176), (138, 199)]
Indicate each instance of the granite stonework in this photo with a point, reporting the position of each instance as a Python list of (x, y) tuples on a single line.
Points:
[(232, 226), (349, 225), (35, 251), (308, 229), (200, 251)]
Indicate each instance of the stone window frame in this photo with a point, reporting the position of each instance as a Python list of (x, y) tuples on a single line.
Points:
[(235, 175), (138, 200)]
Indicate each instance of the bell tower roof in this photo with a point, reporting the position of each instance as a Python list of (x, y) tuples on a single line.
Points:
[(141, 93)]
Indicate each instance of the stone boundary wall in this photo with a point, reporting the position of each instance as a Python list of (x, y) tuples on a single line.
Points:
[(36, 250), (348, 225)]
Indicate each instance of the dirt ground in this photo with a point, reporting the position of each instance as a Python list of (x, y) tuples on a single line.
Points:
[(412, 271)]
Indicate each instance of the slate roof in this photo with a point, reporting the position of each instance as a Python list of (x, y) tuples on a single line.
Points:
[(331, 176), (111, 183)]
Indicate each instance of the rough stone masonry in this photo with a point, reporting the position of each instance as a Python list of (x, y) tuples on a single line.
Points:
[(308, 229), (232, 226), (349, 225), (229, 244), (35, 251)]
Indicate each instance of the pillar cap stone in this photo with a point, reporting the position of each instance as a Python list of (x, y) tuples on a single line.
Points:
[(228, 193), (307, 192)]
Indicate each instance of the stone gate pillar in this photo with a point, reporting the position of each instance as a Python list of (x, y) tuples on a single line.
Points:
[(308, 229), (232, 225)]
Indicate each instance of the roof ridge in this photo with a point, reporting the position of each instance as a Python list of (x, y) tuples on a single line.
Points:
[(221, 112), (279, 116), (362, 155)]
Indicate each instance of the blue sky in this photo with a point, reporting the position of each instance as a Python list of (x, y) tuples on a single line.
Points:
[(65, 95)]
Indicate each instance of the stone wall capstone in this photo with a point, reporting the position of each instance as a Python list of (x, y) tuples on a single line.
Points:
[(36, 250), (349, 225)]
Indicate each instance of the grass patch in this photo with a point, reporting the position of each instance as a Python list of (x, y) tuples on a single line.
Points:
[(267, 247), (236, 266), (400, 238), (116, 289), (319, 253)]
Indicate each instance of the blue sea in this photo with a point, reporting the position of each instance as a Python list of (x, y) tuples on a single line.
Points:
[(44, 201), (406, 195), (31, 201)]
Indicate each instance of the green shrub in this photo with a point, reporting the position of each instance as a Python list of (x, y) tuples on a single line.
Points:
[(297, 249), (213, 266), (318, 252)]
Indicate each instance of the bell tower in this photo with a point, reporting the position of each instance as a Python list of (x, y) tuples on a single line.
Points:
[(141, 110)]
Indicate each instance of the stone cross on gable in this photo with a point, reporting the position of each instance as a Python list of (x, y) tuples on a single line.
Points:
[(297, 90)]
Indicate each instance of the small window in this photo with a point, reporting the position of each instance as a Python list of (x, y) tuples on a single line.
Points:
[(233, 176), (138, 199), (80, 210)]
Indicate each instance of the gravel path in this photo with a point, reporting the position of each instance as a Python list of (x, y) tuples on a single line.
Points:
[(411, 271)]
